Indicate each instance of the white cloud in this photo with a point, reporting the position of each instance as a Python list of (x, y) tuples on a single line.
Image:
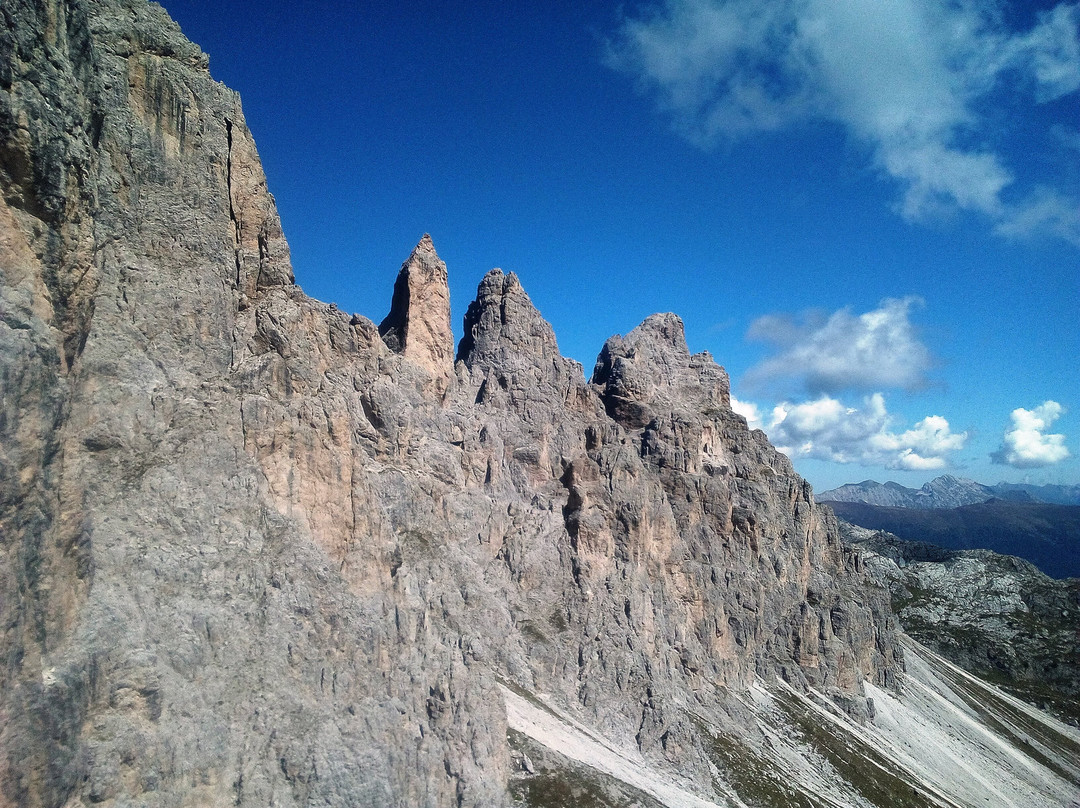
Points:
[(1044, 211), (907, 77), (879, 348), (1027, 445), (748, 410), (1053, 49), (826, 429)]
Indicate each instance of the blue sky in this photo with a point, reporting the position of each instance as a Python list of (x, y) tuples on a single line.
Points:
[(866, 210)]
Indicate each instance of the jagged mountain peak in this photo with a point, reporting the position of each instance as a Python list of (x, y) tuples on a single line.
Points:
[(503, 328), (664, 330), (651, 369), (949, 481), (418, 325)]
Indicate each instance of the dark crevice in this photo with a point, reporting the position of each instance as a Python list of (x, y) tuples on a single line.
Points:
[(232, 210), (394, 329)]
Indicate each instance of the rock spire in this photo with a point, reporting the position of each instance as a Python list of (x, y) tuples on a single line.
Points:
[(418, 325), (502, 323)]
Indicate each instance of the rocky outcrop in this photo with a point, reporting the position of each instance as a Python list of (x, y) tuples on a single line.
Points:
[(513, 353), (995, 615), (418, 325), (650, 370)]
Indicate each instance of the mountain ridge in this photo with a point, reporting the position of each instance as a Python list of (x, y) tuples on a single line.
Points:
[(1045, 534), (258, 551), (948, 491)]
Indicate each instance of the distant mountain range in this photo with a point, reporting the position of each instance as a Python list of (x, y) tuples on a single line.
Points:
[(1046, 534), (948, 491), (1039, 523), (1056, 494)]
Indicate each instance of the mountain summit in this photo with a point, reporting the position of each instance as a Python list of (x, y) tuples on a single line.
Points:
[(945, 491), (254, 551), (418, 325)]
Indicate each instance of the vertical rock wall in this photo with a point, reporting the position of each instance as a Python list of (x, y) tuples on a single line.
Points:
[(255, 551)]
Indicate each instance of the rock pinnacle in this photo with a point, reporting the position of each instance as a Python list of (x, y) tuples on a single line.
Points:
[(418, 325)]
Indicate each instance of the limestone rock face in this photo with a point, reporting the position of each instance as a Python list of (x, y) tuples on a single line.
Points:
[(252, 555), (502, 327), (650, 370), (418, 325)]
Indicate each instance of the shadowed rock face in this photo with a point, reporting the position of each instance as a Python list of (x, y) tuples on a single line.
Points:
[(252, 554)]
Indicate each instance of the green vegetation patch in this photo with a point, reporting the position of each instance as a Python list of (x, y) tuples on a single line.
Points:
[(531, 631), (558, 782), (558, 621), (943, 634), (558, 789), (912, 594), (753, 777)]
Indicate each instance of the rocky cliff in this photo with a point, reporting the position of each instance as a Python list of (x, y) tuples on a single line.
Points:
[(995, 615), (257, 551)]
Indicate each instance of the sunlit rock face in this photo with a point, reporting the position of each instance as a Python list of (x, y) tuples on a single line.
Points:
[(418, 325), (257, 551)]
